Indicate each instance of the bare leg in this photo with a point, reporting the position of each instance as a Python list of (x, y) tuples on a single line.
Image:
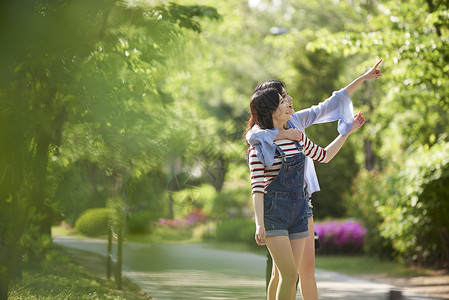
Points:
[(274, 283), (298, 246), (284, 258), (307, 267)]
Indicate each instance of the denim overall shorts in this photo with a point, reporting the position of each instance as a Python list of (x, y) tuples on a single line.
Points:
[(285, 204)]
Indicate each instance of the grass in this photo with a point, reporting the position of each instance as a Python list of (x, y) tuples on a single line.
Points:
[(65, 230), (63, 278), (366, 265), (159, 235), (166, 235), (238, 246)]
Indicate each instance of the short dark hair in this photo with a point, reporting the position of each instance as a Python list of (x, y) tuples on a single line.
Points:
[(275, 84)]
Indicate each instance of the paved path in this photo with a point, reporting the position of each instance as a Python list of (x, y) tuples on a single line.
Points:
[(195, 271)]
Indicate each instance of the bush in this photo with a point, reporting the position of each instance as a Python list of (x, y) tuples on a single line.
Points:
[(340, 237), (192, 198), (370, 190), (93, 222), (140, 222), (416, 218), (236, 230), (405, 207), (232, 202)]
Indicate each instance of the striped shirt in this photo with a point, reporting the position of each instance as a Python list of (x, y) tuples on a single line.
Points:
[(261, 176)]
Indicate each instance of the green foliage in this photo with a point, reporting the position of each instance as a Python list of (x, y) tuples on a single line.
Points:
[(93, 222), (184, 201), (369, 191), (83, 82), (233, 202), (404, 210), (236, 230), (140, 222), (416, 219), (408, 119), (82, 185), (186, 16)]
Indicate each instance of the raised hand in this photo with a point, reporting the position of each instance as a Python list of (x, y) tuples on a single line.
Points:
[(359, 120), (374, 72)]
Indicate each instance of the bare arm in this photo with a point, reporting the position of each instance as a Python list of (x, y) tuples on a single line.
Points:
[(258, 217), (335, 146), (370, 74)]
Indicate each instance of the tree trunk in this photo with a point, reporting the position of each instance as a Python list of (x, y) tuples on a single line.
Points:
[(4, 274), (370, 158), (11, 260), (218, 172), (38, 194), (4, 286)]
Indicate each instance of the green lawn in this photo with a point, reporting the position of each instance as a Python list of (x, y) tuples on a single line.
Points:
[(366, 265), (62, 278)]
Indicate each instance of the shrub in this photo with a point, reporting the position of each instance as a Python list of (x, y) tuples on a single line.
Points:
[(340, 237), (369, 192), (191, 198), (140, 222), (93, 222), (196, 216), (232, 202), (416, 218), (236, 230)]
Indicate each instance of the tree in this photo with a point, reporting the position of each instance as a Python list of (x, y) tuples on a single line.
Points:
[(85, 73), (408, 120)]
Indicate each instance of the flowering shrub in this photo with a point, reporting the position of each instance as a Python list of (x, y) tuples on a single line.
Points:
[(196, 216), (340, 237)]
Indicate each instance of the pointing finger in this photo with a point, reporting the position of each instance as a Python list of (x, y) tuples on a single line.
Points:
[(377, 64)]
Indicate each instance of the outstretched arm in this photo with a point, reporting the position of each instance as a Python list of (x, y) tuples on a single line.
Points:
[(335, 146), (374, 72)]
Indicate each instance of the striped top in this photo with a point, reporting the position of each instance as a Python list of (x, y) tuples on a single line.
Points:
[(261, 176)]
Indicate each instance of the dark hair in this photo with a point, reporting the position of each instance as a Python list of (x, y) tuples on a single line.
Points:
[(263, 103), (275, 84), (259, 115)]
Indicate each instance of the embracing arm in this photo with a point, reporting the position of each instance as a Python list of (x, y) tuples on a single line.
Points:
[(370, 74), (263, 140)]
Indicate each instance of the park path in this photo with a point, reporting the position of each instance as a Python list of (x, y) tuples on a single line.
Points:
[(196, 271)]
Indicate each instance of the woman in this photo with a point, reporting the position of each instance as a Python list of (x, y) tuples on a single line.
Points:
[(279, 198), (337, 107)]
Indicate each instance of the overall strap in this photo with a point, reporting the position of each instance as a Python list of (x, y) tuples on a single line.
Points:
[(279, 153), (298, 145)]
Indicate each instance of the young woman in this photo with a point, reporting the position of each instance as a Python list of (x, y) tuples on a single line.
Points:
[(337, 107), (279, 197)]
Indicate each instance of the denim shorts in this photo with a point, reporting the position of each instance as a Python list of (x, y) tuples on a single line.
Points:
[(285, 214)]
